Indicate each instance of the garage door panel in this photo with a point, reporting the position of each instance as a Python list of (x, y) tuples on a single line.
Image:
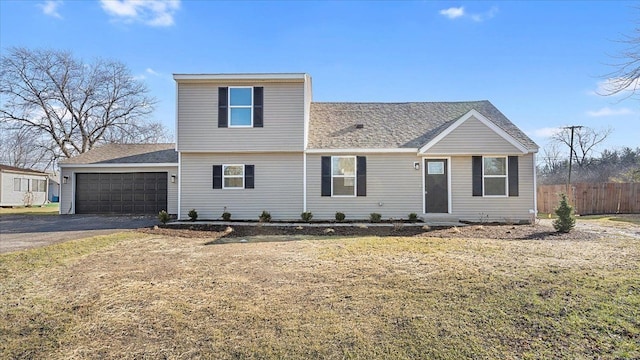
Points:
[(123, 193)]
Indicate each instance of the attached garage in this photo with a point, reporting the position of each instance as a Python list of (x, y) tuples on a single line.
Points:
[(121, 179), (121, 193)]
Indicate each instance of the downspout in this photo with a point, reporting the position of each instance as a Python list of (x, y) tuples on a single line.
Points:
[(535, 188)]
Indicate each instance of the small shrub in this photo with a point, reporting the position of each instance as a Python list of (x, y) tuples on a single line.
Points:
[(375, 217), (340, 216), (413, 217), (226, 216), (306, 216), (163, 217), (566, 219), (193, 215), (265, 216)]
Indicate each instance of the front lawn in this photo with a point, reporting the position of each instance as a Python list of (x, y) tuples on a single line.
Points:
[(134, 295), (48, 209)]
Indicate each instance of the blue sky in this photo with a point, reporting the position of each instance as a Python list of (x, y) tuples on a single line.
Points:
[(540, 63)]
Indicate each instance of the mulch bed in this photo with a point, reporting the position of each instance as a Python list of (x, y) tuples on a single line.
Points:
[(491, 231)]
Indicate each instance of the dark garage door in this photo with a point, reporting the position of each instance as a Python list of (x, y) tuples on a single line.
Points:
[(121, 193)]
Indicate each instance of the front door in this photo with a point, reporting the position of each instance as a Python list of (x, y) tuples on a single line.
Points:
[(436, 186)]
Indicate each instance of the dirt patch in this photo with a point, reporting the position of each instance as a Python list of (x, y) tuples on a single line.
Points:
[(225, 234)]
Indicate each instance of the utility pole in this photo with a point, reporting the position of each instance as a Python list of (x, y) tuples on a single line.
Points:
[(573, 128)]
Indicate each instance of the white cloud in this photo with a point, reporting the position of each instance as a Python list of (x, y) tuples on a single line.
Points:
[(149, 12), (50, 8), (485, 15), (605, 87), (607, 111), (459, 12), (453, 12), (545, 132), (152, 72)]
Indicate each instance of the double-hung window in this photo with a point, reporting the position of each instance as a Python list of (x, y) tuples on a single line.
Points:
[(494, 172), (233, 176), (240, 107), (343, 176)]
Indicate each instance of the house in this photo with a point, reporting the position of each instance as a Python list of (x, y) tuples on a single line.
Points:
[(253, 142), (22, 187)]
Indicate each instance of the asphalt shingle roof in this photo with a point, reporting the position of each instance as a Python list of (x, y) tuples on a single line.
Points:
[(127, 154), (395, 125), (17, 169)]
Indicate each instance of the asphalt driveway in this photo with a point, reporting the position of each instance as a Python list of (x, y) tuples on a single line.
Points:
[(18, 232)]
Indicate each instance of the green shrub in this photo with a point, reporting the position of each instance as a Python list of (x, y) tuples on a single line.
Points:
[(375, 217), (413, 217), (226, 216), (193, 215), (306, 216), (265, 216), (163, 217), (566, 219), (340, 216)]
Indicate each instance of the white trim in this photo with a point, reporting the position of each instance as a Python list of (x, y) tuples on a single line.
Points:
[(179, 184), (361, 151), (355, 176), (304, 182), (535, 187), (307, 97), (177, 112), (263, 76), (124, 165), (72, 209), (482, 119), (505, 176), (233, 177), (424, 183), (230, 107)]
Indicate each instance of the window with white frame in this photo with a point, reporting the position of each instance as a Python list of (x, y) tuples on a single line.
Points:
[(40, 185), (495, 176), (343, 176), (21, 185), (240, 107), (233, 176)]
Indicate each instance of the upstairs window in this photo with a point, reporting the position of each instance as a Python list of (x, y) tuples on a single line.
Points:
[(240, 107)]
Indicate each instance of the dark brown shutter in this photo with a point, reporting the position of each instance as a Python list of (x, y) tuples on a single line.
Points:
[(326, 176), (513, 176), (223, 108), (217, 176), (249, 171), (361, 176), (476, 175), (258, 102)]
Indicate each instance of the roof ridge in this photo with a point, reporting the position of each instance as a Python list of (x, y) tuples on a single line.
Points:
[(399, 103)]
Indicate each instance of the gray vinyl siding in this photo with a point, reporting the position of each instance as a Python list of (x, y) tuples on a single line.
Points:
[(473, 137), (501, 209), (278, 186), (198, 120), (67, 190), (9, 197), (393, 182), (393, 189)]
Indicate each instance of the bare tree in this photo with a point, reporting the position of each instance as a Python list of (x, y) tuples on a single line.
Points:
[(69, 106), (626, 74), (585, 142)]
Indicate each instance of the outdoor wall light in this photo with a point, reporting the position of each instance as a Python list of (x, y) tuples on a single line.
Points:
[(173, 178), (416, 165), (65, 179)]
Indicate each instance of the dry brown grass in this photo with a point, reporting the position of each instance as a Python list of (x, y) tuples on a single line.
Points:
[(137, 295)]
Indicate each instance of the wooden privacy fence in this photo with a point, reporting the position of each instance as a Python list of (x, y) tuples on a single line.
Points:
[(597, 198)]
